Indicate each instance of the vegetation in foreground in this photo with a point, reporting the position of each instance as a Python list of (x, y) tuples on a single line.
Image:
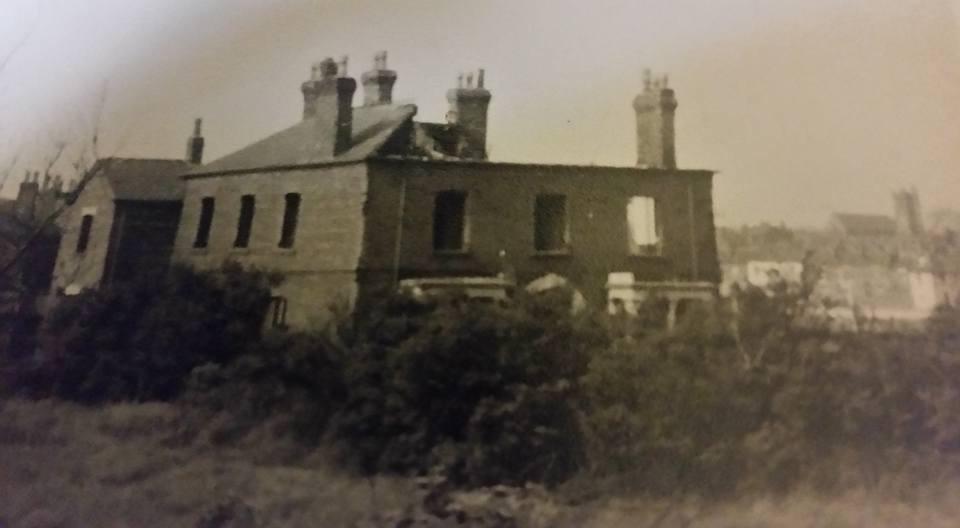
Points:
[(755, 399), (129, 465)]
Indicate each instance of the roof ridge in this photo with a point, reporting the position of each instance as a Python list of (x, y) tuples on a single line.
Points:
[(300, 143)]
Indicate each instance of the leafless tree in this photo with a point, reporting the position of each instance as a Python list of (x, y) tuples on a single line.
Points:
[(9, 166), (83, 164)]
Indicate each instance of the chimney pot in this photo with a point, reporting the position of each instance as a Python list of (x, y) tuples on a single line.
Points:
[(195, 143), (469, 107), (378, 82), (480, 78), (329, 101), (25, 205), (328, 69), (655, 108)]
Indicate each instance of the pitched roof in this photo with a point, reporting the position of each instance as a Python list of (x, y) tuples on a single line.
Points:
[(144, 179), (306, 144), (865, 224)]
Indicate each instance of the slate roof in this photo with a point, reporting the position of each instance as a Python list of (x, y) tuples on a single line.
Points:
[(144, 179), (865, 224), (306, 144)]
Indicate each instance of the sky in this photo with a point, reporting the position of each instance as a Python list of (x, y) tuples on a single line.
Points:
[(803, 107)]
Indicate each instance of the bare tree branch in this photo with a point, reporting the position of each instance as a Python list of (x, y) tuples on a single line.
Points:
[(8, 170), (54, 157), (86, 166), (4, 63)]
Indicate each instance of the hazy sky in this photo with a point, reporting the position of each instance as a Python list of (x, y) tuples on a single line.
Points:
[(804, 107)]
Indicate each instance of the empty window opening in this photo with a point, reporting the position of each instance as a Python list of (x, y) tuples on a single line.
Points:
[(278, 312), (245, 222), (206, 221), (450, 221), (550, 222), (644, 230), (291, 211), (83, 240)]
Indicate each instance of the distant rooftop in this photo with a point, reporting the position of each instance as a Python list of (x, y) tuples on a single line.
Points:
[(864, 224), (144, 179)]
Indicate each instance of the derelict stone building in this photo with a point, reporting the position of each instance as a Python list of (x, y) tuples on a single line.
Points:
[(123, 221), (352, 201)]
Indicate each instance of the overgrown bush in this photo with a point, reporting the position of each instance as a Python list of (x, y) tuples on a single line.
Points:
[(488, 391), (754, 393), (139, 341), (770, 398), (294, 380), (668, 414)]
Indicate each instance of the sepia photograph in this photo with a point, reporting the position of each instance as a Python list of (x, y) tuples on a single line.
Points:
[(489, 264)]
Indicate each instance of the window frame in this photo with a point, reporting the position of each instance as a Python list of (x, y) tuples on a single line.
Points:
[(465, 223), (564, 247), (654, 249), (201, 239), (290, 221), (245, 221), (83, 236), (277, 311)]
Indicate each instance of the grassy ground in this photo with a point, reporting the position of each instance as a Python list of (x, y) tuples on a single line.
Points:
[(124, 465), (67, 466)]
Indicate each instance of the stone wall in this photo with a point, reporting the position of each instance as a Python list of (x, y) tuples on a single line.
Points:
[(349, 234), (320, 267), (84, 270)]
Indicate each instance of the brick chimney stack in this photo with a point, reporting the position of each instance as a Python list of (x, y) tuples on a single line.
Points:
[(468, 111), (328, 99), (195, 144), (25, 205), (655, 109), (907, 213), (378, 82)]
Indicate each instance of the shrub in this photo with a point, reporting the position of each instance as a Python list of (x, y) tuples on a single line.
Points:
[(294, 380), (488, 391), (668, 414), (771, 399), (139, 341)]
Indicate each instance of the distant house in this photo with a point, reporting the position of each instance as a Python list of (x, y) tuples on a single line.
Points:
[(873, 267), (123, 222), (28, 248), (905, 222), (350, 202), (864, 225)]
